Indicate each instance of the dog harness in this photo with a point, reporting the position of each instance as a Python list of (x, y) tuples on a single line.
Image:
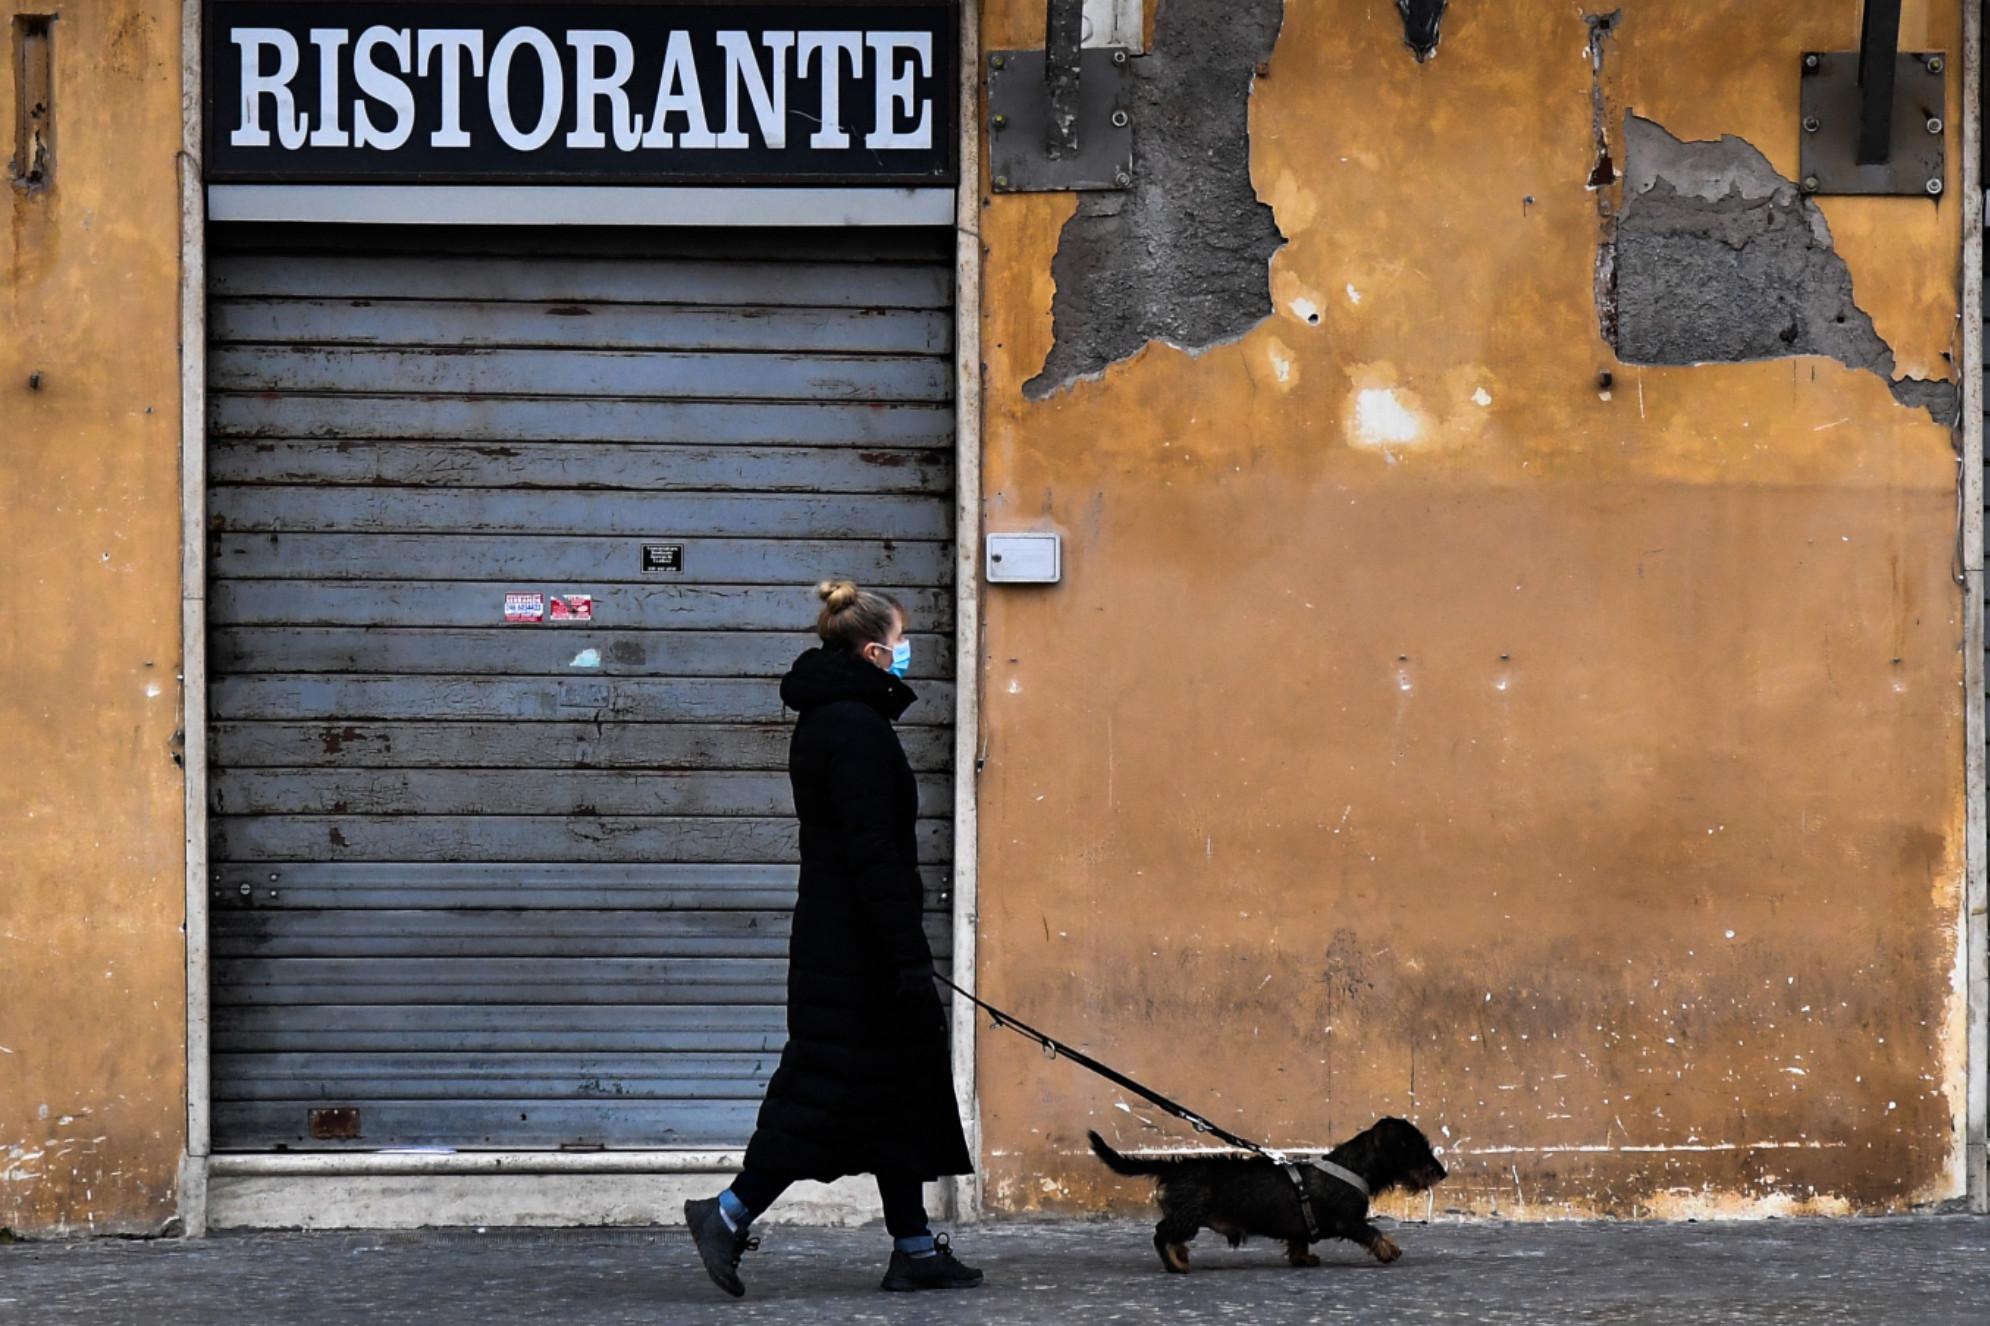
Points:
[(1287, 1165), (1292, 1168)]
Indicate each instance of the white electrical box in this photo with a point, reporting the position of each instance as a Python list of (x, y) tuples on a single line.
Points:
[(1025, 559)]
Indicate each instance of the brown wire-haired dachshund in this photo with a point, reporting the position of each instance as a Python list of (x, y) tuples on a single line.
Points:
[(1239, 1197)]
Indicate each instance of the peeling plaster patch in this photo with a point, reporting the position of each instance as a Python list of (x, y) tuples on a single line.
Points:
[(1682, 1205), (1482, 397), (1420, 23), (1381, 419), (1183, 256), (1651, 1148), (1296, 205), (1604, 172), (1716, 258), (1604, 277), (1283, 365), (1939, 399), (1300, 301), (1353, 295)]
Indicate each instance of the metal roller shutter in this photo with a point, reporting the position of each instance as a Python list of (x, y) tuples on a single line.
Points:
[(490, 884)]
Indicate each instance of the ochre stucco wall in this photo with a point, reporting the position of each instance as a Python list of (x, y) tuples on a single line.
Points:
[(1332, 781), (1582, 779), (92, 954)]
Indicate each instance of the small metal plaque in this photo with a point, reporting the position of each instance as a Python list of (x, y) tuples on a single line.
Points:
[(662, 557), (1828, 159), (335, 1125), (1018, 119)]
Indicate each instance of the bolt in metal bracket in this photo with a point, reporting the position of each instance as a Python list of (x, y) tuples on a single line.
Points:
[(1073, 132), (1872, 118)]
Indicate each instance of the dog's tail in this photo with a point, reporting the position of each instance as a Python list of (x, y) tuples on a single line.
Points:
[(1119, 1164)]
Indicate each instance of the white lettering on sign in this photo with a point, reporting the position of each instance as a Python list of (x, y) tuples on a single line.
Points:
[(554, 89), (452, 44), (678, 94), (375, 89), (895, 88), (770, 104), (384, 87), (329, 41), (592, 86), (275, 85), (829, 45)]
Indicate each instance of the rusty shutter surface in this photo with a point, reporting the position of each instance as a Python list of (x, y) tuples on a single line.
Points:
[(481, 883)]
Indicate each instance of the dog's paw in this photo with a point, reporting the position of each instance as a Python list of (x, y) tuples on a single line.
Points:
[(1385, 1249), (1305, 1259), (1174, 1256)]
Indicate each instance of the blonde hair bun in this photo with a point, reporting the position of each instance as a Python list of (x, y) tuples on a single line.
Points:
[(852, 618), (836, 595)]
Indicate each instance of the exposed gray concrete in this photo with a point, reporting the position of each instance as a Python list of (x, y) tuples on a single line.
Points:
[(1719, 259), (1929, 1271), (1184, 255)]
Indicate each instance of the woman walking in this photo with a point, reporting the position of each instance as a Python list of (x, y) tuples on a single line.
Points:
[(865, 1083)]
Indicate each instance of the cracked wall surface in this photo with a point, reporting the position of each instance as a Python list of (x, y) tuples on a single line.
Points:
[(1717, 258), (1425, 723), (1181, 256), (1441, 716)]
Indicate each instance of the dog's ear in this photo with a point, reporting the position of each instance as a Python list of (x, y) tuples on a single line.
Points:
[(1405, 1135)]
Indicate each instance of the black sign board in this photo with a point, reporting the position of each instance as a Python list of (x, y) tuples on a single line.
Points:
[(663, 557), (454, 91)]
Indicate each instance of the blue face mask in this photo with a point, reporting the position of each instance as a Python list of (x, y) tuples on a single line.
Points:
[(901, 658)]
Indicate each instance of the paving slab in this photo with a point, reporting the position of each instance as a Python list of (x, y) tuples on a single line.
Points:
[(1929, 1271)]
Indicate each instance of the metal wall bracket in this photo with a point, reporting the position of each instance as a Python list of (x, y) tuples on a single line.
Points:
[(1859, 139), (1030, 149)]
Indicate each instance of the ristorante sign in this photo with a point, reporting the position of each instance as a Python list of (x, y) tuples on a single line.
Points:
[(442, 91)]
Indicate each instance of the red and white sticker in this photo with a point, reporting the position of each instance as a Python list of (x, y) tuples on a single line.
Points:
[(525, 607), (573, 608)]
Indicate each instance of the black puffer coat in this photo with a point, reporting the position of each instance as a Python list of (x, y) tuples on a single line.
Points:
[(865, 1084)]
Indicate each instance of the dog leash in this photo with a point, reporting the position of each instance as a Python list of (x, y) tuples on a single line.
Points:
[(1285, 1163)]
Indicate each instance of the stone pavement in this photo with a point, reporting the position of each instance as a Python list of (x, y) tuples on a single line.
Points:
[(1927, 1271)]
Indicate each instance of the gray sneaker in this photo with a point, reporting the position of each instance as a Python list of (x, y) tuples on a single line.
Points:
[(719, 1245), (942, 1270)]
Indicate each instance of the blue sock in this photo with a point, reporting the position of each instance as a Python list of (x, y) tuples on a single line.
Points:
[(918, 1245), (734, 1211)]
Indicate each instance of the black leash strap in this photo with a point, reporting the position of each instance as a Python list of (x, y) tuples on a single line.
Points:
[(1180, 1111)]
